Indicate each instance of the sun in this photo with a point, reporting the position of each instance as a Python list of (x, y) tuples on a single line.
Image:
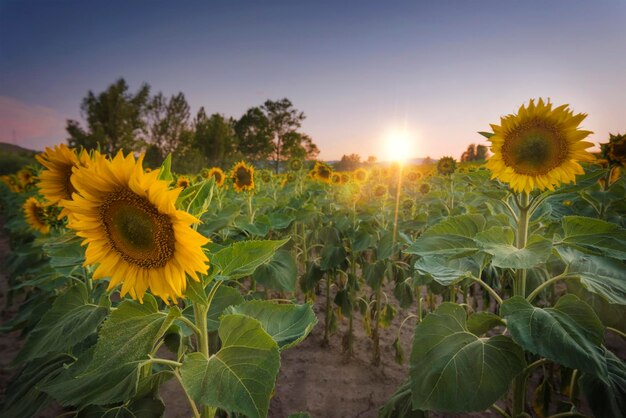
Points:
[(398, 144)]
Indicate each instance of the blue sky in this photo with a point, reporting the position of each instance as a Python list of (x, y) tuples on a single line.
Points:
[(444, 69)]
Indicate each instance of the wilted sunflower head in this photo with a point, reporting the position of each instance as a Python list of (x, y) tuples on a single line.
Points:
[(360, 175), (539, 147), (413, 176), (322, 172), (446, 166), (133, 232), (217, 174), (615, 150), (243, 177), (295, 164), (35, 214), (183, 182), (380, 190), (424, 188)]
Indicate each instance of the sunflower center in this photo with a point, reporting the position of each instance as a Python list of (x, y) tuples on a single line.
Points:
[(244, 177), (136, 230), (534, 148)]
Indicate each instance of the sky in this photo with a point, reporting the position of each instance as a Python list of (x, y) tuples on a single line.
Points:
[(437, 70)]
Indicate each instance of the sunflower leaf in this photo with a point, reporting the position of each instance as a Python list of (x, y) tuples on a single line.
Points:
[(570, 333), (453, 370), (240, 377), (70, 320), (498, 241), (595, 236), (242, 258), (287, 324), (279, 273), (452, 237)]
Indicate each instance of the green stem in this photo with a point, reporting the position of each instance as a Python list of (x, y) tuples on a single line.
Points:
[(165, 362), (327, 318), (616, 331), (191, 325), (547, 283), (192, 404), (519, 289), (489, 289), (500, 411)]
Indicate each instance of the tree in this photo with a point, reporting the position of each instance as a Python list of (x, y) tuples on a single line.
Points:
[(168, 123), (214, 136), (254, 136), (371, 160), (348, 162), (475, 153), (299, 145), (114, 118)]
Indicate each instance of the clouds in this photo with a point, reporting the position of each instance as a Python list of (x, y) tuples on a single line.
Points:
[(30, 125)]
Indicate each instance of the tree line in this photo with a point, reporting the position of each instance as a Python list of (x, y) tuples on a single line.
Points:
[(158, 125)]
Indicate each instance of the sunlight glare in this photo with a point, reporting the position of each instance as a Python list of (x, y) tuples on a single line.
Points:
[(398, 145)]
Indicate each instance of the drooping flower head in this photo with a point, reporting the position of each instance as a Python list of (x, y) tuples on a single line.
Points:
[(539, 147), (446, 166), (243, 177), (133, 232), (35, 215)]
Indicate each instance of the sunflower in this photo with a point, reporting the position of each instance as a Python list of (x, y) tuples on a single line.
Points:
[(413, 176), (183, 182), (345, 177), (380, 190), (291, 177), (446, 166), (335, 178), (424, 188), (217, 174), (360, 175), (34, 212), (12, 183), (615, 150), (243, 177), (322, 172), (539, 148), (26, 176), (266, 176), (295, 164), (407, 204), (55, 180), (132, 229)]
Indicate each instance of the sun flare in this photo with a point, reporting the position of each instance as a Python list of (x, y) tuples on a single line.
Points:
[(398, 145)]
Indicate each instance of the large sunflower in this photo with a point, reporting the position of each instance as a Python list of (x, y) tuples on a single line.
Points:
[(322, 172), (539, 148), (132, 229), (54, 181), (34, 212), (446, 166)]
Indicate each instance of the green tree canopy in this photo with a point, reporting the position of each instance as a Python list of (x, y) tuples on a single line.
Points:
[(114, 119), (214, 137)]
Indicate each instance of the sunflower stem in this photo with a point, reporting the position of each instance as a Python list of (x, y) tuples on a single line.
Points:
[(519, 289), (192, 404)]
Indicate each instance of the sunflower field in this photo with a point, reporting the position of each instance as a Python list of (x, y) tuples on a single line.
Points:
[(511, 274)]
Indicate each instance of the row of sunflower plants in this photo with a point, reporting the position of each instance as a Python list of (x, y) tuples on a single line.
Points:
[(546, 244), (122, 292)]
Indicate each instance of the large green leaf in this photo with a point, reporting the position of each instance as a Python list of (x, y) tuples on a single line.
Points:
[(607, 399), (333, 256), (603, 276), (570, 333), (287, 324), (23, 397), (452, 237), (242, 258), (146, 407), (453, 370), (70, 320), (399, 405), (279, 274), (595, 235), (225, 296), (241, 376), (65, 252), (498, 241), (447, 272), (110, 372)]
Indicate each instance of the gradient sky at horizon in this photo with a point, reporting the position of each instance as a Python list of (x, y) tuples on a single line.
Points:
[(443, 69)]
